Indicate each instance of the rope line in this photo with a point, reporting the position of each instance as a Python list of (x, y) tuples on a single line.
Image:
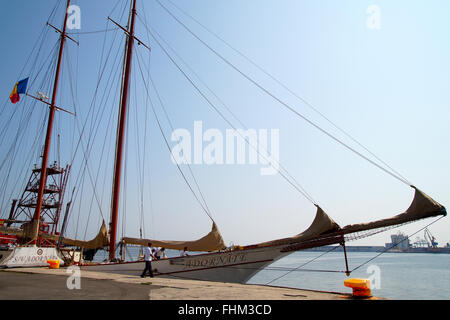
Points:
[(277, 278), (173, 130), (306, 195), (287, 89), (282, 102), (92, 32), (393, 246), (168, 145)]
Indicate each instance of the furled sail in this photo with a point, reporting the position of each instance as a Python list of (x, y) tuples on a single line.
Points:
[(28, 231), (324, 231), (421, 207), (211, 242), (321, 225), (100, 241)]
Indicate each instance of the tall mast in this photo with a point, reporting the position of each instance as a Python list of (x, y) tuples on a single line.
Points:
[(120, 135), (48, 138)]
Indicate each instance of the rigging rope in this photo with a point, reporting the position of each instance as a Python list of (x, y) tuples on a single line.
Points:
[(306, 194), (92, 32), (170, 122), (299, 189), (173, 130), (290, 270), (395, 245), (46, 76), (24, 121), (266, 269), (96, 119), (307, 103), (140, 164), (284, 104), (95, 124), (94, 193), (142, 230), (168, 145), (332, 249)]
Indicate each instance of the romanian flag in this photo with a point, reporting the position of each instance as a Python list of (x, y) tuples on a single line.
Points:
[(19, 88)]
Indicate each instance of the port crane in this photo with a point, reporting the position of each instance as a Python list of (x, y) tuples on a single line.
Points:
[(429, 237)]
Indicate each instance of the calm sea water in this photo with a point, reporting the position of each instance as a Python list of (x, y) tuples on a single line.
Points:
[(398, 276)]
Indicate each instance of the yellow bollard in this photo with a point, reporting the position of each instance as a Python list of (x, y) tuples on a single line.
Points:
[(361, 287), (54, 264)]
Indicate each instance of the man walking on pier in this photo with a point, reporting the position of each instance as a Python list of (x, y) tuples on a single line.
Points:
[(148, 256)]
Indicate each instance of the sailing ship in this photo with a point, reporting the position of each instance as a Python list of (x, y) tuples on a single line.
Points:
[(214, 261)]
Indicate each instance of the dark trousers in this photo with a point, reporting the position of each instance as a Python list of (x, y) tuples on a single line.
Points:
[(148, 267)]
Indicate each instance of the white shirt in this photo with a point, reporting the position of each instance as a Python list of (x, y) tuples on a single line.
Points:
[(148, 254), (160, 254)]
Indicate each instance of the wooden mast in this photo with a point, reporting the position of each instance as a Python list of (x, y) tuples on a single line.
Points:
[(48, 138), (120, 135)]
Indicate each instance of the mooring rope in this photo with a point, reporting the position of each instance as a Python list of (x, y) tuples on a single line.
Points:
[(332, 249)]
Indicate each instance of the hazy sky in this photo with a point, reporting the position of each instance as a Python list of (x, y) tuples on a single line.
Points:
[(383, 78)]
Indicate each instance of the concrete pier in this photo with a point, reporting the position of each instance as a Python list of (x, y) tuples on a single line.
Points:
[(51, 284)]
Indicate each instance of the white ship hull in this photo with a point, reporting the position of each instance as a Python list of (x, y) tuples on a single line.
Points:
[(4, 254), (27, 257), (236, 266)]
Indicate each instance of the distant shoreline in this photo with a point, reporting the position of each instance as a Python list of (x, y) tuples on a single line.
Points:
[(380, 249)]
